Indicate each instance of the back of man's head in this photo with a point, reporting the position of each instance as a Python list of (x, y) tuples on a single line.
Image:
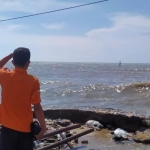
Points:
[(21, 56)]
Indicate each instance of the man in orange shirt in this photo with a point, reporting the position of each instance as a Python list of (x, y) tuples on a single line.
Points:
[(19, 91)]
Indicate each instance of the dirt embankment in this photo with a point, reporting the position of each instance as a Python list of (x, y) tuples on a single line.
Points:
[(131, 122)]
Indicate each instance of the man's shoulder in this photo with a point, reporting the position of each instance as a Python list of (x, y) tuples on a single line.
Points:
[(34, 78)]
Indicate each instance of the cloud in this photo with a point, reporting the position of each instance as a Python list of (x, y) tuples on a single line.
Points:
[(49, 48), (13, 28), (33, 6), (123, 25), (126, 40), (56, 26)]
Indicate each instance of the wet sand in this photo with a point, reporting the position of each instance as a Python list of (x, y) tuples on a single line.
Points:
[(102, 140)]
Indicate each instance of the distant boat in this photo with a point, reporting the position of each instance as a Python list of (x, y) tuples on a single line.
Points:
[(119, 63)]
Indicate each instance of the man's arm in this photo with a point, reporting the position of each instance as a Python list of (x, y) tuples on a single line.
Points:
[(5, 60), (40, 116)]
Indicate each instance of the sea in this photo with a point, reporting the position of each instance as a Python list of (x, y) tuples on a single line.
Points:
[(95, 85), (101, 85)]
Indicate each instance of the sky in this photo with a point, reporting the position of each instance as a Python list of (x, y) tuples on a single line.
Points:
[(108, 32)]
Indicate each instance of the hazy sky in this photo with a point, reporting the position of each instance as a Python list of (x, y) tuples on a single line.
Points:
[(112, 31)]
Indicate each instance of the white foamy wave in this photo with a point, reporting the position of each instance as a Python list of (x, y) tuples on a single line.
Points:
[(92, 87), (48, 82), (143, 69), (120, 88), (69, 91), (142, 88), (42, 90)]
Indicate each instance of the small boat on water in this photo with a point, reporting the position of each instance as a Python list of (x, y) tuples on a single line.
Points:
[(119, 63)]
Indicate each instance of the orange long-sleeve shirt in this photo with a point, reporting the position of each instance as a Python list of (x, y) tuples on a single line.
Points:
[(19, 91)]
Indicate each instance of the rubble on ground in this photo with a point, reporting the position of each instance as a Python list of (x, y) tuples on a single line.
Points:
[(142, 136)]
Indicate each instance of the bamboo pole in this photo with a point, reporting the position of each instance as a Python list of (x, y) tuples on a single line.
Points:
[(66, 140), (61, 130)]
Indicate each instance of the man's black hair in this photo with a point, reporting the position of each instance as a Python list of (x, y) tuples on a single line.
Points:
[(21, 56)]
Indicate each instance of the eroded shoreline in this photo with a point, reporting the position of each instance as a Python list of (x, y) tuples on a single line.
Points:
[(118, 119), (131, 122)]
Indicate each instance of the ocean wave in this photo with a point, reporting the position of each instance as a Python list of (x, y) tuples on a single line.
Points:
[(94, 90), (99, 92), (42, 90), (134, 87), (143, 69), (142, 84), (48, 82)]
